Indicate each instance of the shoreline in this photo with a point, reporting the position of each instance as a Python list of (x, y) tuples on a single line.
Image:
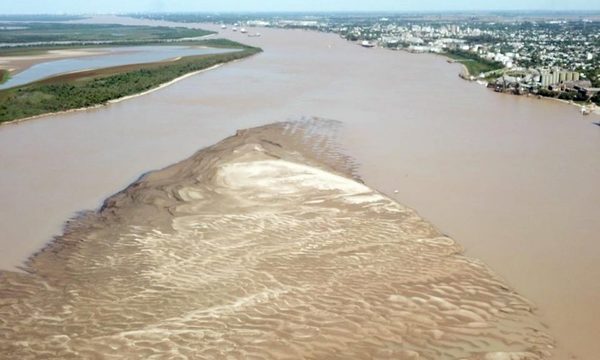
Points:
[(21, 63), (465, 74), (118, 100), (76, 53), (595, 111)]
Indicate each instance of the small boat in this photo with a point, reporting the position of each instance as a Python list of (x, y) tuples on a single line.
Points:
[(234, 29), (585, 110), (254, 35), (243, 31), (223, 27), (367, 44)]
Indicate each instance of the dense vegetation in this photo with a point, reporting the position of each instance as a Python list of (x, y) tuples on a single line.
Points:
[(52, 32), (47, 17), (573, 95), (596, 99), (593, 75), (4, 75), (42, 49), (474, 64), (94, 87)]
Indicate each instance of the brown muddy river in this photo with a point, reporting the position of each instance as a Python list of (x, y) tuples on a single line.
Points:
[(514, 180)]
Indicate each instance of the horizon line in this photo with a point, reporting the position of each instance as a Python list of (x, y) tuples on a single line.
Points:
[(212, 12)]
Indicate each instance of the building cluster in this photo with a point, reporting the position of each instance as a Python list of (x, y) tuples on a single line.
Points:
[(537, 52), (532, 80), (568, 45), (571, 44)]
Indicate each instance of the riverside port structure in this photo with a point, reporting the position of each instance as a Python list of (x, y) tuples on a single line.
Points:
[(556, 76)]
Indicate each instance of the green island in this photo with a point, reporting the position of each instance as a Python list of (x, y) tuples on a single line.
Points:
[(40, 17), (35, 33), (474, 64), (96, 87)]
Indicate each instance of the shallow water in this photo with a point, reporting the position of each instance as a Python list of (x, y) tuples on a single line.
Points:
[(112, 56), (514, 180)]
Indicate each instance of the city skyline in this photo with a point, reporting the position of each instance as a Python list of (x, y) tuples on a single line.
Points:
[(114, 6)]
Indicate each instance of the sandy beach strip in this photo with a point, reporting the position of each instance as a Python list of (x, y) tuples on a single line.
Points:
[(16, 64)]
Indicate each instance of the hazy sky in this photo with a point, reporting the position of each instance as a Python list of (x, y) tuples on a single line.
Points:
[(111, 6)]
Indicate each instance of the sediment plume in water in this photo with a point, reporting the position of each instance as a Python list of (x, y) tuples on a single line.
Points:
[(261, 246)]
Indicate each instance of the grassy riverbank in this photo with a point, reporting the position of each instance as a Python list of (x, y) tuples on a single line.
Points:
[(473, 63), (4, 76), (97, 87)]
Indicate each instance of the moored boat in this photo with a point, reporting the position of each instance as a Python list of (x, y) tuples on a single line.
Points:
[(367, 44)]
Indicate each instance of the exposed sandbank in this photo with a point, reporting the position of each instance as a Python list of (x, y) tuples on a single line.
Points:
[(16, 64), (261, 245)]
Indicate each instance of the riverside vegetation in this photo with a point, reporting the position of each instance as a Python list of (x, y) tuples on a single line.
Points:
[(29, 39), (97, 87), (4, 76), (475, 65), (35, 33)]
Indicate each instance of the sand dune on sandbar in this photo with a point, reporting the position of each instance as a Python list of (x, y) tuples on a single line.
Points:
[(261, 246)]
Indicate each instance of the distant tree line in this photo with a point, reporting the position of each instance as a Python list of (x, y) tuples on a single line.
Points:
[(26, 32)]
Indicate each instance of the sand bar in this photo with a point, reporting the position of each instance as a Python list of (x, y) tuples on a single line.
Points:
[(261, 246), (16, 64), (514, 180)]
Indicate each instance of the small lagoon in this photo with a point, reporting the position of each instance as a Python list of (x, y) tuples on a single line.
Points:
[(112, 56)]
